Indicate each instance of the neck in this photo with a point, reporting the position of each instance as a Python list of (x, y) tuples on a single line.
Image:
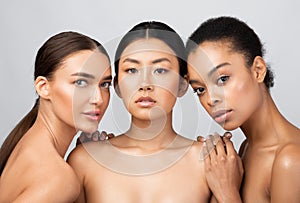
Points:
[(152, 134), (60, 134), (264, 128)]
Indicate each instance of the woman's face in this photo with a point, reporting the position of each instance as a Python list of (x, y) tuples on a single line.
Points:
[(80, 89), (226, 88), (148, 78)]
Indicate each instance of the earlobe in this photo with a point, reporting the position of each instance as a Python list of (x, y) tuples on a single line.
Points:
[(117, 88), (259, 69), (183, 85), (42, 87)]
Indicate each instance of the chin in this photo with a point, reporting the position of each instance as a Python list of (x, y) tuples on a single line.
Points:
[(229, 127), (88, 129)]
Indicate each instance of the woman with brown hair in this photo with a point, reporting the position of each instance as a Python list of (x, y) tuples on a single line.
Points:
[(72, 79)]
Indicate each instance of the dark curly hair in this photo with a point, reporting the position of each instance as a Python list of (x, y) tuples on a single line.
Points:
[(241, 37)]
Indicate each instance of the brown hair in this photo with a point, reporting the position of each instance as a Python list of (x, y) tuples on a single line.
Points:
[(48, 59)]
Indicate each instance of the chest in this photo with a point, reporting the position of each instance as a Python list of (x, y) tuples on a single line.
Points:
[(257, 177), (175, 184)]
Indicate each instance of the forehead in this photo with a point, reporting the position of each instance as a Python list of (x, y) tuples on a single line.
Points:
[(151, 45), (93, 62), (209, 55)]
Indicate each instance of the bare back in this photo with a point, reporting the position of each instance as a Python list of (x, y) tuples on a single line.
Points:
[(182, 181)]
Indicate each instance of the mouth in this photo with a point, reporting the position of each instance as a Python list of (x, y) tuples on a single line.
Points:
[(94, 115), (145, 101), (221, 116)]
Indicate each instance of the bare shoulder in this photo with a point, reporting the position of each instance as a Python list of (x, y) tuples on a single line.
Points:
[(60, 186), (288, 157), (84, 156), (49, 180), (195, 150)]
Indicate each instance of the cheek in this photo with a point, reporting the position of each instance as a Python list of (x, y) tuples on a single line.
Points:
[(244, 96), (63, 103), (203, 101), (105, 97)]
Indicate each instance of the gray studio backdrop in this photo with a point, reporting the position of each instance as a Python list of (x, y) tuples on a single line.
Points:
[(25, 25)]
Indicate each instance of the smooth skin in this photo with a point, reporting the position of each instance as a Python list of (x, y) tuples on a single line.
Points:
[(36, 170), (151, 132), (235, 96)]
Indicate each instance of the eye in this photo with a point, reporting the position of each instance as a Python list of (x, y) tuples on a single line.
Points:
[(105, 85), (160, 71), (81, 83), (222, 80), (131, 70), (199, 91)]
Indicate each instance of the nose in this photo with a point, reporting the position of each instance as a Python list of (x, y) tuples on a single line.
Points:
[(213, 99), (146, 84), (96, 97), (146, 87)]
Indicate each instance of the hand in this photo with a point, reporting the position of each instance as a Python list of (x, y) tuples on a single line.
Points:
[(95, 137), (223, 170), (226, 134)]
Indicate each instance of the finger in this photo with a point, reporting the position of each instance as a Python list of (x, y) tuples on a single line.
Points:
[(82, 137), (78, 141), (102, 135), (211, 148), (200, 139), (228, 135), (204, 152), (87, 135), (110, 135), (229, 147), (215, 138), (206, 158), (210, 143), (220, 148), (95, 136)]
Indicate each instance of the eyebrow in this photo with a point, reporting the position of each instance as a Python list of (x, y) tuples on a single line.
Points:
[(131, 60), (217, 67), (109, 77), (193, 82), (160, 60), (86, 75)]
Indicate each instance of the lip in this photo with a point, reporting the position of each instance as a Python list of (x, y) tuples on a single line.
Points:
[(221, 116), (145, 101), (93, 115)]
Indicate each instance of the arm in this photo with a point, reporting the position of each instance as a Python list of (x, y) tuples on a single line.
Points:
[(224, 171), (285, 184), (76, 161)]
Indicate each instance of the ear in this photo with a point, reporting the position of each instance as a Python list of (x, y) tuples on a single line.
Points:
[(42, 87), (259, 69), (117, 88), (183, 86)]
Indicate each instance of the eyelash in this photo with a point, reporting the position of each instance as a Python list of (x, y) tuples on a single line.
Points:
[(131, 70), (105, 85), (161, 70), (156, 71), (197, 91), (222, 80), (78, 83)]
